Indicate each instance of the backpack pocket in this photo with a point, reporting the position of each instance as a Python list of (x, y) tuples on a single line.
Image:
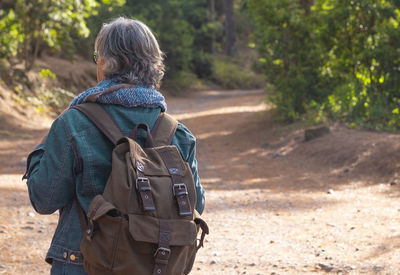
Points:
[(147, 229), (139, 240), (120, 245), (101, 237), (99, 249)]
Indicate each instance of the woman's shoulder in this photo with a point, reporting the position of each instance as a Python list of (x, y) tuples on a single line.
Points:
[(185, 141), (76, 121), (184, 135), (120, 114)]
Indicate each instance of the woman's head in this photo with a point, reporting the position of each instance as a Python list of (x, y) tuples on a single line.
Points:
[(130, 52)]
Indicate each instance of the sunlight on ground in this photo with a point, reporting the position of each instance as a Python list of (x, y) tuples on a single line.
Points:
[(213, 134), (257, 180), (231, 93), (210, 180), (224, 110), (359, 239)]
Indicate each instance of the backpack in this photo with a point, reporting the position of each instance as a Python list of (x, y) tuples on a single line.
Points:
[(145, 221)]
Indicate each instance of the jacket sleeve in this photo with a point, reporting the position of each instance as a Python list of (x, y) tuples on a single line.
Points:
[(186, 143), (50, 170)]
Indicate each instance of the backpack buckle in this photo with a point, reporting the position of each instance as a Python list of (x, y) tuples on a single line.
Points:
[(179, 189), (144, 188), (181, 195), (143, 184), (162, 253)]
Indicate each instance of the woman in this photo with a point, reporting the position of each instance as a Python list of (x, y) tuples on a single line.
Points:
[(75, 157)]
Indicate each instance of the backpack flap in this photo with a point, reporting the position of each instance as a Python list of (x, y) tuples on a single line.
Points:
[(147, 229), (99, 207), (152, 162)]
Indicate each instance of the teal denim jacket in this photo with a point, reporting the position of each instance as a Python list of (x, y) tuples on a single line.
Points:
[(76, 159)]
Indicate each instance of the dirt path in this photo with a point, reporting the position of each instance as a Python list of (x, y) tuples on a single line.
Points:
[(275, 204)]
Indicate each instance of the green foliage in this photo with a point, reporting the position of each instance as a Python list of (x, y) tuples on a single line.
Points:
[(181, 82), (184, 29), (51, 99), (365, 61), (339, 57), (232, 76), (10, 37), (291, 54), (30, 25), (48, 97), (46, 73), (203, 64)]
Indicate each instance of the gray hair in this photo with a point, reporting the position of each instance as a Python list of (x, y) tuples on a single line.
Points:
[(130, 52)]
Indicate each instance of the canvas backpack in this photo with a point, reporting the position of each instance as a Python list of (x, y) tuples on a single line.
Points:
[(145, 221)]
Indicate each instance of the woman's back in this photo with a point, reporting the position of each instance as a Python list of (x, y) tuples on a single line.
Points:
[(80, 164), (74, 160)]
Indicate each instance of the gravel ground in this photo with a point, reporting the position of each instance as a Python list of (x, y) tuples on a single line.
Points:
[(274, 204)]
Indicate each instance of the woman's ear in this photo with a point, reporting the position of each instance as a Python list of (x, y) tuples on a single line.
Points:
[(100, 65)]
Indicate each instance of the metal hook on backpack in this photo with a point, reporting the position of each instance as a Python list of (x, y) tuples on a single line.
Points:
[(204, 229)]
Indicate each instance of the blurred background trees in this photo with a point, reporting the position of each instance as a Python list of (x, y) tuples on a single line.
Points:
[(332, 58), (192, 33), (318, 59), (29, 27)]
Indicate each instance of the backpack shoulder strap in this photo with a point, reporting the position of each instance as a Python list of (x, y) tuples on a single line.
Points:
[(164, 129), (102, 119)]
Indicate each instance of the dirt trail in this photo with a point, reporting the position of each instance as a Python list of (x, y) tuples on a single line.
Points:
[(275, 204)]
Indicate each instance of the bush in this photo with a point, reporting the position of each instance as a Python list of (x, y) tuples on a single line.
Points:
[(48, 97), (181, 82), (340, 57), (231, 76), (203, 64)]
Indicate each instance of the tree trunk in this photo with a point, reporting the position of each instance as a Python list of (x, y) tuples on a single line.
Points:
[(35, 32), (229, 28), (212, 21), (35, 51), (306, 6), (27, 43)]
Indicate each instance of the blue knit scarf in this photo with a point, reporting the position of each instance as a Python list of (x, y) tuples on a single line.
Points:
[(128, 97)]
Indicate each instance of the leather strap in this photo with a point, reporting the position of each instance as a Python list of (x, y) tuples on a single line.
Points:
[(163, 252), (102, 119), (93, 97), (100, 207), (149, 139), (179, 188), (181, 195), (164, 130), (144, 188)]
